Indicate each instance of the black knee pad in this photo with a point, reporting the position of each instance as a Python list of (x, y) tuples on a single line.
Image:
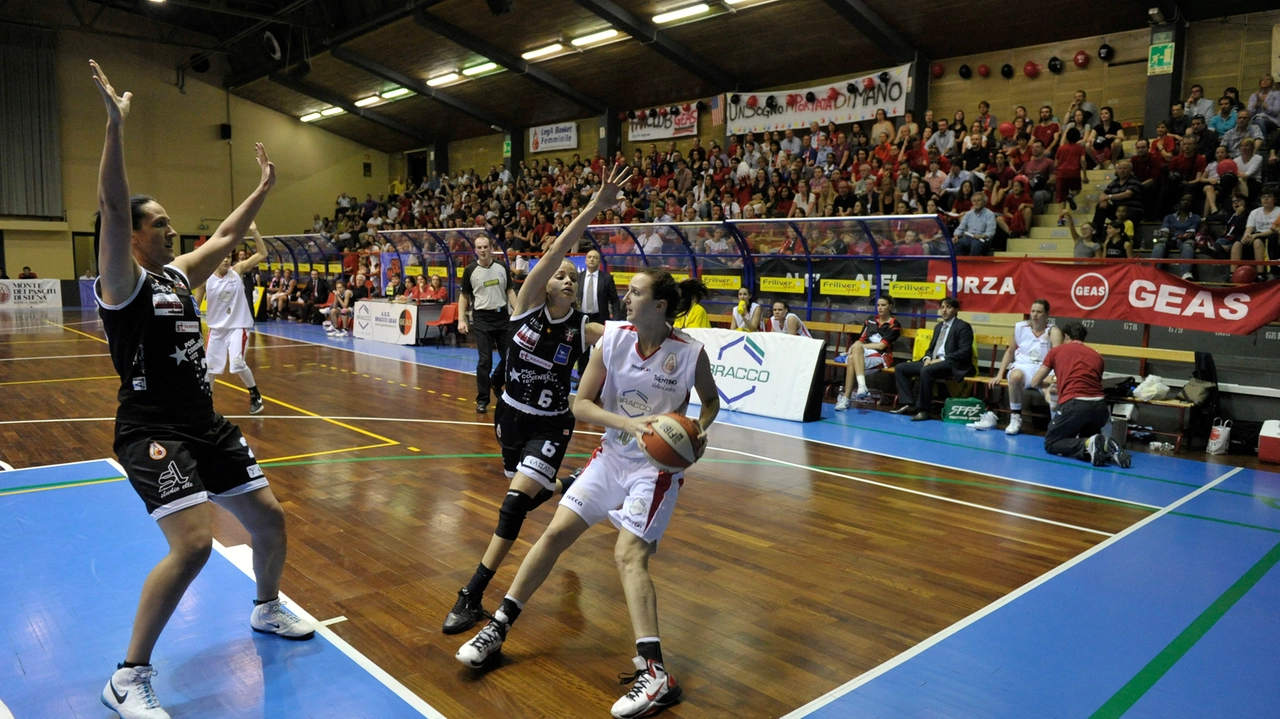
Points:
[(511, 516)]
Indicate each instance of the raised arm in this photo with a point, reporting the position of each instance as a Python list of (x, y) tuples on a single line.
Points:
[(200, 263), (118, 271), (259, 254)]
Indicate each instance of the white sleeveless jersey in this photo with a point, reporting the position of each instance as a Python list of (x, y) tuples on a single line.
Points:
[(226, 306), (636, 386), (1029, 349), (776, 326), (739, 321)]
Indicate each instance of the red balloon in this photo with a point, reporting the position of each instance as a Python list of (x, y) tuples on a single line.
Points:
[(1030, 69), (983, 70), (833, 93), (662, 111), (1081, 59), (868, 82), (1007, 129), (938, 69), (753, 101)]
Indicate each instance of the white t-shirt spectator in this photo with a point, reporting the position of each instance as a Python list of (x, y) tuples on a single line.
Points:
[(1249, 170), (1261, 220), (652, 243)]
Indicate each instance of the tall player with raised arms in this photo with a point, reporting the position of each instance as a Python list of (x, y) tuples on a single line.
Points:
[(643, 368), (533, 420)]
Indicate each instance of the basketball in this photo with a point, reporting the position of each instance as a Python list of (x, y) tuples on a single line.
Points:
[(1244, 275), (673, 444)]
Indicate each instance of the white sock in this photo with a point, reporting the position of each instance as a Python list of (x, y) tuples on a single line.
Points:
[(862, 383), (1015, 408), (246, 376)]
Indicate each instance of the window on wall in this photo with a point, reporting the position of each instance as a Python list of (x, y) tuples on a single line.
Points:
[(82, 253)]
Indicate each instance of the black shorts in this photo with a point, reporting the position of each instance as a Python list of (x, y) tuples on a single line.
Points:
[(532, 445), (173, 468)]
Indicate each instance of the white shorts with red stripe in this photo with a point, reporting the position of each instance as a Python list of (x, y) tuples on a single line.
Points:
[(223, 344), (634, 495)]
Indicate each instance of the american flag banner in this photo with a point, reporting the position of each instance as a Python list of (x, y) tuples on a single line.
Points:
[(717, 110)]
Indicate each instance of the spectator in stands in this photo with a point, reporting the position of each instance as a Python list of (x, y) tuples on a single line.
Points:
[(278, 292), (1223, 174), (1233, 241), (417, 293), (1263, 224), (747, 314), (1107, 140), (27, 274), (1032, 340), (1016, 207), (1083, 411), (1249, 169), (882, 126), (1264, 105), (315, 295), (1040, 172), (952, 186), (340, 314), (976, 229), (361, 288), (1080, 102), (1179, 227), (1198, 104), (871, 352), (1178, 122), (1084, 246), (1206, 139), (942, 140), (1186, 173), (1224, 119), (1046, 130), (395, 291), (1117, 243), (950, 356), (1124, 190), (986, 121), (1069, 165), (1244, 128)]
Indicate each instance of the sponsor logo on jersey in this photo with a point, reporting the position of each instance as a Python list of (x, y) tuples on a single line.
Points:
[(526, 337), (536, 465), (254, 470), (140, 384), (167, 304), (492, 283), (633, 403), (181, 326), (562, 354), (171, 480), (639, 507), (670, 364), (156, 451), (535, 359)]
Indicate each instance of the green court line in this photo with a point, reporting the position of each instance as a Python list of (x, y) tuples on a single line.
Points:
[(1123, 700), (1033, 458), (55, 485), (1226, 521)]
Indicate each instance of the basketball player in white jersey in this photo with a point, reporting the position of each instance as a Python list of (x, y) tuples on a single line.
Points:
[(786, 321), (643, 368), (230, 318), (1032, 340)]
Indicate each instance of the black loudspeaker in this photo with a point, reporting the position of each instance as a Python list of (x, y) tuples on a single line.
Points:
[(501, 7), (225, 131)]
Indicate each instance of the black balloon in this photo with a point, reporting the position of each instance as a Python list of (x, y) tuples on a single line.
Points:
[(810, 97), (965, 72), (884, 77), (1055, 65), (1006, 71), (852, 88), (735, 98), (1106, 52)]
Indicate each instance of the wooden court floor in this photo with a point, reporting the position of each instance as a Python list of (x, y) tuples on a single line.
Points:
[(789, 568)]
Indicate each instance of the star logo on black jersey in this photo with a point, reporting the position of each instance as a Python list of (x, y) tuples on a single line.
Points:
[(179, 355)]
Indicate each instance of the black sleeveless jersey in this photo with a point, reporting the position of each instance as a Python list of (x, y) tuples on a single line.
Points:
[(157, 350), (541, 354)]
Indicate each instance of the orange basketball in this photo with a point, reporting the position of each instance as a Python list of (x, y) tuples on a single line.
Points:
[(673, 445)]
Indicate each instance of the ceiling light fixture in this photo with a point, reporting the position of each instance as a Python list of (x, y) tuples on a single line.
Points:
[(681, 14), (311, 118), (332, 111), (371, 100), (595, 37), (479, 69), (443, 79), (543, 51), (396, 93)]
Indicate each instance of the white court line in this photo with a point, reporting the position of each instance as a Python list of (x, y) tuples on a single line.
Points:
[(68, 419), (23, 359), (366, 354), (276, 347), (241, 556), (335, 620), (916, 492), (4, 712), (86, 322), (918, 649)]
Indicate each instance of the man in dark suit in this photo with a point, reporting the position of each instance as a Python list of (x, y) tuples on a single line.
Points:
[(597, 298), (950, 356)]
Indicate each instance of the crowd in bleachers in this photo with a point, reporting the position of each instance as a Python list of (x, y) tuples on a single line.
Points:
[(983, 176)]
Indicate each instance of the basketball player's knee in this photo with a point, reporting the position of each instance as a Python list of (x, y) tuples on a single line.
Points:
[(515, 507), (238, 365), (631, 555), (857, 347), (1016, 377), (192, 551)]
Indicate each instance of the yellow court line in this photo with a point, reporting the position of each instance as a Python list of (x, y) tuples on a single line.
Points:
[(327, 451), (64, 379), (36, 342), (286, 405), (86, 334), (6, 493)]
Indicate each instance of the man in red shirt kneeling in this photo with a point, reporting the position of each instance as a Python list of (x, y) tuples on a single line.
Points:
[(1082, 409)]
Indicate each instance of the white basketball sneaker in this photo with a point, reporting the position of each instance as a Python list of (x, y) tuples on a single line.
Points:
[(988, 420), (128, 693), (484, 645), (842, 403), (275, 618), (654, 691), (1015, 425)]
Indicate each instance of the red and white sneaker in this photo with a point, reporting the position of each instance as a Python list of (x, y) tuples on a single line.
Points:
[(654, 691)]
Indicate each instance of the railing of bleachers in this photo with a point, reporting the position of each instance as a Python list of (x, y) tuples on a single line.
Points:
[(303, 253), (418, 252)]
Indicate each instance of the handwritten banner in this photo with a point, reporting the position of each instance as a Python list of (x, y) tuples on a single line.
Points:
[(832, 102)]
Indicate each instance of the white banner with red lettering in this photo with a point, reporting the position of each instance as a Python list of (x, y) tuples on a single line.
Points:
[(21, 294), (832, 102), (659, 123), (1128, 292)]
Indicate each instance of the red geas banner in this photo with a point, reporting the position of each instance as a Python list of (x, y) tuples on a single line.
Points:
[(1129, 292)]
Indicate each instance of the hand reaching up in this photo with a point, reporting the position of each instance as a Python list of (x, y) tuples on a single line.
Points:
[(117, 106)]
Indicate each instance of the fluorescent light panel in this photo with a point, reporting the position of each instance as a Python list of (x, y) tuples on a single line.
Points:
[(479, 69), (543, 51), (330, 112), (396, 93), (365, 102), (443, 79), (595, 37), (681, 13), (311, 118)]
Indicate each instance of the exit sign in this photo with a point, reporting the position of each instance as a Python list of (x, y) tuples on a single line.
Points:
[(1160, 59)]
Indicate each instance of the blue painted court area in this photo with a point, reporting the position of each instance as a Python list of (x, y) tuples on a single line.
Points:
[(73, 557), (1174, 618)]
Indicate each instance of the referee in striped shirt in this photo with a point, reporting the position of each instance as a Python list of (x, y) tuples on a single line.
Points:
[(484, 306)]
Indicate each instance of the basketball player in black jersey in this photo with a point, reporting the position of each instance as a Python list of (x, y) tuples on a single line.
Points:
[(176, 450), (533, 420)]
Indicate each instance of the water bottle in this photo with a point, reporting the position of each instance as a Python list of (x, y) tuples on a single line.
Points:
[(1161, 447)]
